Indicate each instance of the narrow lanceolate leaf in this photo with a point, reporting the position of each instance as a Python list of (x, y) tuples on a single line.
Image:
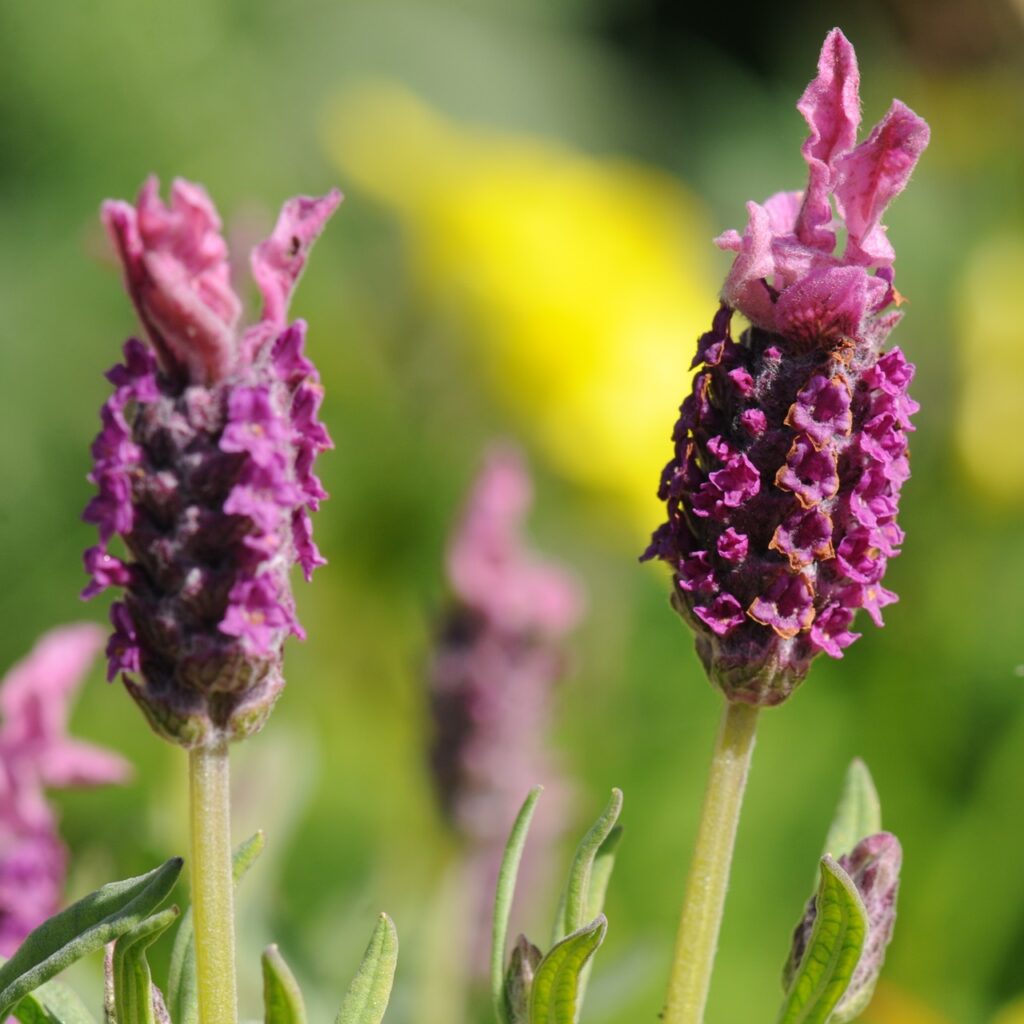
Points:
[(833, 949), (282, 999), (858, 814), (600, 876), (554, 995), (578, 890), (53, 1003), (507, 874), (86, 926), (133, 982), (601, 873), (368, 995), (182, 994)]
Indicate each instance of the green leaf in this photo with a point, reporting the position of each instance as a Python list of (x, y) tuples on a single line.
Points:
[(367, 996), (282, 1000), (554, 996), (182, 995), (833, 949), (53, 1003), (507, 874), (858, 814), (601, 873), (133, 982), (573, 912), (600, 876), (83, 928)]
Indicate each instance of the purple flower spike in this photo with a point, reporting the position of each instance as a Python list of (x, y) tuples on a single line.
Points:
[(499, 652), (204, 467), (36, 753), (791, 449)]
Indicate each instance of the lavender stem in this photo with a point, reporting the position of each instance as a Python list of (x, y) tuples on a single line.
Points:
[(697, 939), (212, 887)]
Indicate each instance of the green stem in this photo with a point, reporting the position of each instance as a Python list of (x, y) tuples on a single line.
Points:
[(697, 939), (212, 887)]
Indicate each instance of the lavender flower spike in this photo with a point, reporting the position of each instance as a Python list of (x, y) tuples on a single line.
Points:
[(204, 466), (36, 753), (791, 449), (498, 655)]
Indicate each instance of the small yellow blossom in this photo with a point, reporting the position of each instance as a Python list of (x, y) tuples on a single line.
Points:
[(583, 283)]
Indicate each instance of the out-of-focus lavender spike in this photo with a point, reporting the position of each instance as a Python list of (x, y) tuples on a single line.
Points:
[(498, 654), (204, 466), (36, 753)]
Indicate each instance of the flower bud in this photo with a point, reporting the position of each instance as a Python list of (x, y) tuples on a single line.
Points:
[(523, 964), (874, 867)]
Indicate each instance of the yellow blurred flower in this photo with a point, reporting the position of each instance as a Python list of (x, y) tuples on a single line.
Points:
[(893, 1005), (990, 415), (1011, 1014), (583, 283)]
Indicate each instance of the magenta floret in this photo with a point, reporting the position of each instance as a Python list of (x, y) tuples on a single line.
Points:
[(204, 467), (791, 448)]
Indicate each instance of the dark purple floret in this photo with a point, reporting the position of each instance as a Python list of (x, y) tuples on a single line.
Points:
[(204, 467), (791, 448)]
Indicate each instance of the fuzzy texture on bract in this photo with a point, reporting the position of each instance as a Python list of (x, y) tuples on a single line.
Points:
[(37, 753), (204, 466), (791, 449), (499, 653)]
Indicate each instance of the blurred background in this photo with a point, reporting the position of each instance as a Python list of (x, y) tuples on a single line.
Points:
[(524, 253)]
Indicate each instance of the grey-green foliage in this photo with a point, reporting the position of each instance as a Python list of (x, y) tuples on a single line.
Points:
[(182, 995), (83, 928), (577, 900), (507, 875), (53, 1003), (368, 995), (833, 949), (548, 988), (282, 1000), (133, 982)]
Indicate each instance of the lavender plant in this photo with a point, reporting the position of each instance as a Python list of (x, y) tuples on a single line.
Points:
[(499, 653), (781, 498), (790, 453), (204, 468)]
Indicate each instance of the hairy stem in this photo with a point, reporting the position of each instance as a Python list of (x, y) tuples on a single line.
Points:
[(697, 939), (212, 887)]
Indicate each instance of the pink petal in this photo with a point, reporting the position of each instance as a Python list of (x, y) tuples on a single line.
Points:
[(176, 271), (277, 263), (35, 698), (489, 564), (744, 288), (872, 176), (831, 107), (826, 305)]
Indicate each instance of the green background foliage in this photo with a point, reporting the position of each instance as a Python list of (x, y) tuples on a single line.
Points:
[(93, 96)]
